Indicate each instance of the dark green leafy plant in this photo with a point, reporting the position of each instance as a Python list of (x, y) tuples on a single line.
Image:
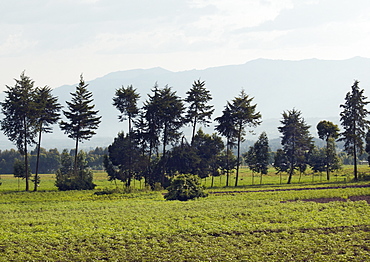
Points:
[(185, 187), (68, 179)]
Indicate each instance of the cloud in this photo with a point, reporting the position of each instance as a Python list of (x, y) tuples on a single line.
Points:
[(56, 25), (305, 13)]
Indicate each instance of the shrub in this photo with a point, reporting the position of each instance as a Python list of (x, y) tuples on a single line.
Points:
[(185, 187), (69, 181)]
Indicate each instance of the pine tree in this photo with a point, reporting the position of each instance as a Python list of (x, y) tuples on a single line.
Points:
[(198, 111), (19, 123), (243, 114), (258, 156), (83, 120), (296, 141), (226, 128), (125, 101), (48, 114), (355, 125)]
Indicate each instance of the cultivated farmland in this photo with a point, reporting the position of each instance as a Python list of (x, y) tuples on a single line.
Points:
[(270, 225)]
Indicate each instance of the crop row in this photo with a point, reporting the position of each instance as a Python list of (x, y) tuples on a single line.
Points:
[(80, 226)]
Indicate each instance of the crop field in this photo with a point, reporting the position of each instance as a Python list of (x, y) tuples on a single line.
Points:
[(252, 226)]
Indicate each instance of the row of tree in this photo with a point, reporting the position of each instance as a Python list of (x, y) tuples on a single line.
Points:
[(50, 160), (163, 114), (158, 123), (143, 151), (30, 111)]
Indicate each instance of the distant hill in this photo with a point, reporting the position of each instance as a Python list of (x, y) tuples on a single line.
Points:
[(315, 87)]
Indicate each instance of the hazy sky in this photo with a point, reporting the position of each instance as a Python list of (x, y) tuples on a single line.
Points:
[(55, 41)]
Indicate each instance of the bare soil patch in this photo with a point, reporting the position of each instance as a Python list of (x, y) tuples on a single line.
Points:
[(331, 199)]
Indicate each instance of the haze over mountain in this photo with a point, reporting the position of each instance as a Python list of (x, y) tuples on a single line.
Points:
[(315, 87)]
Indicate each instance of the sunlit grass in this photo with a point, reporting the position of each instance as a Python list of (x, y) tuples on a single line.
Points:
[(246, 180)]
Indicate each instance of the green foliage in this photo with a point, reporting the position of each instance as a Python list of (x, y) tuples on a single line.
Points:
[(354, 122), (243, 114), (20, 112), (208, 148), (68, 179), (19, 169), (327, 129), (257, 158), (225, 127), (81, 226), (296, 141), (83, 120), (47, 114), (185, 187), (125, 154), (329, 132), (126, 103), (198, 111)]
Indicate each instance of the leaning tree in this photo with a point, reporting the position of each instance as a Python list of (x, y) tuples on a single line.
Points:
[(296, 140), (354, 122), (19, 123), (82, 119)]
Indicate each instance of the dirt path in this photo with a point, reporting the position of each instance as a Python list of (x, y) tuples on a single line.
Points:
[(288, 189), (331, 199)]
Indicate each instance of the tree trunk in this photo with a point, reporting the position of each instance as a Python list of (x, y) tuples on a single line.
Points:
[(227, 162), (130, 173), (193, 133), (327, 160), (238, 159), (290, 174), (354, 162), (25, 155), (164, 155), (76, 153), (37, 161)]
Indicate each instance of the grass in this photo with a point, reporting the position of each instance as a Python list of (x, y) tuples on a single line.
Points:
[(257, 226), (246, 180)]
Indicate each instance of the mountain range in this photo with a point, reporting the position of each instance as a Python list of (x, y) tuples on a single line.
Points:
[(315, 87)]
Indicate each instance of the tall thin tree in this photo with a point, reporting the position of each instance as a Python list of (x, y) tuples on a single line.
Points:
[(170, 116), (48, 113), (83, 120), (19, 112), (198, 111), (244, 114), (226, 128), (354, 122), (125, 101)]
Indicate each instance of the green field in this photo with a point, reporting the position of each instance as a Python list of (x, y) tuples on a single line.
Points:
[(257, 226)]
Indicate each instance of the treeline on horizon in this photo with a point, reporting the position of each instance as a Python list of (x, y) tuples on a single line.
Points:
[(154, 147)]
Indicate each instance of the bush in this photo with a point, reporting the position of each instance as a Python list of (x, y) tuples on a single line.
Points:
[(185, 187), (69, 181)]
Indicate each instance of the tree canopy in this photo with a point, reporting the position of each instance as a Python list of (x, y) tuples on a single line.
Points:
[(296, 140), (354, 122), (82, 119), (19, 122)]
